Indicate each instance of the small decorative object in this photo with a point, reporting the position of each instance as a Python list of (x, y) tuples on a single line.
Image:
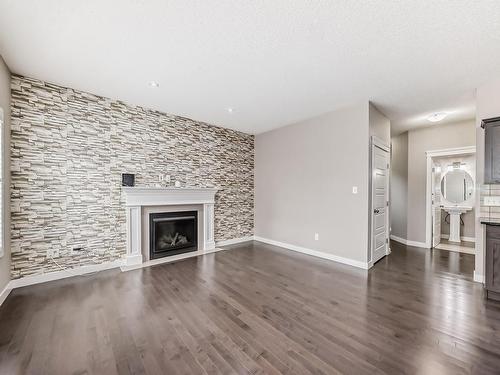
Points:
[(177, 184), (128, 179)]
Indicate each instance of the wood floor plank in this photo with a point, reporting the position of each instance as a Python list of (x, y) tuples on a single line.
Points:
[(258, 309)]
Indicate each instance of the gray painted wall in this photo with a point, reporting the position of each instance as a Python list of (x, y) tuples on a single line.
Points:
[(380, 126), (68, 151), (438, 137), (5, 104), (304, 174), (399, 185)]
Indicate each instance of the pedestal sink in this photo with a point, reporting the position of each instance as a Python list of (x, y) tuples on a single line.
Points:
[(455, 212)]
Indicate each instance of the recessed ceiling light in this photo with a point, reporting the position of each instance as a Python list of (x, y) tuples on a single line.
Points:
[(230, 110), (154, 84), (435, 117)]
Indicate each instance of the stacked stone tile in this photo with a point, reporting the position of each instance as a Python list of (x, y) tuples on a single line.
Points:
[(68, 151)]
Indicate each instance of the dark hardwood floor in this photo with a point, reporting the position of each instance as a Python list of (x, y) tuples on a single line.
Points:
[(258, 309)]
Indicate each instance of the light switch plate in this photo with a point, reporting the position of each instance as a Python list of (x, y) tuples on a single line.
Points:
[(355, 190), (492, 200)]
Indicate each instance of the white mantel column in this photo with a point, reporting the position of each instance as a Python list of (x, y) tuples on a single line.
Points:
[(208, 219), (134, 236)]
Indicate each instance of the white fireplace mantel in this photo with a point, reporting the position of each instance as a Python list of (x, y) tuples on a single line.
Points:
[(136, 198), (157, 196)]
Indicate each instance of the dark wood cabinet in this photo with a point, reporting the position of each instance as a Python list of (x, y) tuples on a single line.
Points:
[(491, 150), (492, 265)]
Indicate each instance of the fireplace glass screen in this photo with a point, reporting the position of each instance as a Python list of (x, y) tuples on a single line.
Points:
[(173, 233)]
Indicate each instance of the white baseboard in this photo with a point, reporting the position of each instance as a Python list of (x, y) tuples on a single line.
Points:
[(417, 244), (478, 278), (319, 254), (408, 242), (234, 241), (5, 293), (57, 275), (462, 238), (398, 239)]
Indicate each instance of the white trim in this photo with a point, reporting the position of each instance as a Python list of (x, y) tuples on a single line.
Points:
[(163, 196), (132, 260), (398, 239), (3, 197), (234, 241), (478, 278), (409, 242), (63, 274), (319, 254), (462, 238), (452, 151), (423, 245), (428, 204), (5, 293)]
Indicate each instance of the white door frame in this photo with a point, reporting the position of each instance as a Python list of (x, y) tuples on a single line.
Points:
[(4, 201), (377, 142), (469, 150)]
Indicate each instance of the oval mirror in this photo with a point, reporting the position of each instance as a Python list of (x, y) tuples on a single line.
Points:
[(457, 186)]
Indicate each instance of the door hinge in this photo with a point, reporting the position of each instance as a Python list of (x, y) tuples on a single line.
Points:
[(386, 240), (387, 203)]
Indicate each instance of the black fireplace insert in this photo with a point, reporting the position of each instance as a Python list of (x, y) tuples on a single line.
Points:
[(172, 233)]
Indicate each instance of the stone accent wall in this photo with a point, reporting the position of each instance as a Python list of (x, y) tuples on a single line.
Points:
[(69, 149)]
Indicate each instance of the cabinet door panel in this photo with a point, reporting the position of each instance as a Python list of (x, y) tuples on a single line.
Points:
[(492, 260), (492, 153)]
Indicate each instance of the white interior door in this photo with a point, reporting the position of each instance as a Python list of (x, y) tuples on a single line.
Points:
[(436, 206), (380, 202)]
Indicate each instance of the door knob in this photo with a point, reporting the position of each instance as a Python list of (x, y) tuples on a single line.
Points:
[(377, 211)]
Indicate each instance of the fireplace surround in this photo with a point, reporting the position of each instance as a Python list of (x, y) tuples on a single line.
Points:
[(141, 202)]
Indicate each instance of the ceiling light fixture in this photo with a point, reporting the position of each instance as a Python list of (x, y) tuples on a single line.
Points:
[(230, 110), (435, 117), (154, 84)]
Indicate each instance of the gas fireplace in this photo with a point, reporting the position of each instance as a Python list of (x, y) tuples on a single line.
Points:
[(172, 233)]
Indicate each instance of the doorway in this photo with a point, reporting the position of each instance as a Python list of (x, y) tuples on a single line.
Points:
[(450, 199), (380, 167)]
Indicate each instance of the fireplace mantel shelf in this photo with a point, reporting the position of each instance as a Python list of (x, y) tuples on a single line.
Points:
[(139, 198), (153, 196)]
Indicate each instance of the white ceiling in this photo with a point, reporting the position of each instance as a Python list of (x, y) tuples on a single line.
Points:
[(274, 61)]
